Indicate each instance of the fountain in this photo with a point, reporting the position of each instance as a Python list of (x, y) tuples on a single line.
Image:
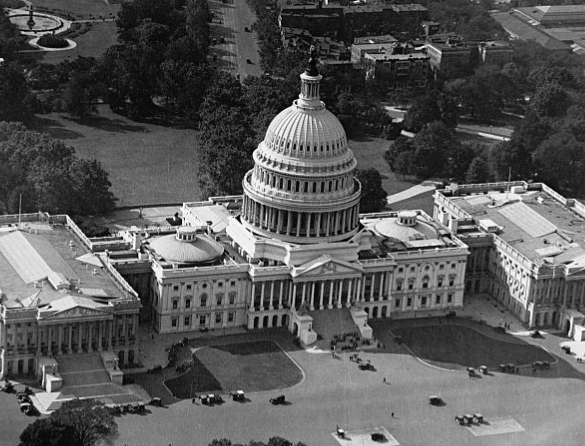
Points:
[(31, 21)]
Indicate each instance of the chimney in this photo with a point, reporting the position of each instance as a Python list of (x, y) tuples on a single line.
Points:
[(453, 225)]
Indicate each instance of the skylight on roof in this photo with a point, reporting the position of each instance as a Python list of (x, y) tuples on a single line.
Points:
[(527, 220)]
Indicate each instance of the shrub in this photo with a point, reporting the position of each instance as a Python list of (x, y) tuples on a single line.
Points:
[(50, 41)]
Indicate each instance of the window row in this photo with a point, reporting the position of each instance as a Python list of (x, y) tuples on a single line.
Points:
[(425, 282), (413, 268), (205, 300), (423, 301), (284, 144), (204, 285), (204, 319)]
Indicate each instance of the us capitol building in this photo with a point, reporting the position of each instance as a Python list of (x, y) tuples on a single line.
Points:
[(293, 251)]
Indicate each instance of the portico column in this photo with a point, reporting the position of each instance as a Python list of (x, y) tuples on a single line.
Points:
[(262, 296), (304, 293), (340, 293), (336, 224), (253, 303), (289, 222), (280, 294), (294, 296), (79, 328), (328, 226), (331, 285), (280, 217), (124, 329), (60, 339), (381, 294), (388, 285), (298, 223), (110, 329), (100, 335), (38, 338), (70, 339), (271, 301), (349, 296), (90, 337), (312, 307), (318, 228), (360, 288), (321, 296), (372, 281), (50, 340)]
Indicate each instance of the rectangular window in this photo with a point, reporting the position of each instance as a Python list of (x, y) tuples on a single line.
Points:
[(397, 303), (220, 284), (425, 285), (411, 285), (219, 299), (438, 299), (401, 270), (449, 298), (233, 283), (218, 318), (188, 287), (231, 316), (188, 303), (203, 300), (202, 319), (412, 269), (187, 321), (176, 288), (440, 282), (175, 304), (232, 299), (399, 286), (174, 322), (409, 302), (423, 301), (451, 281)]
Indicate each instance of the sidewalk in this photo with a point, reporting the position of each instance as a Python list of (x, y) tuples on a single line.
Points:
[(414, 191)]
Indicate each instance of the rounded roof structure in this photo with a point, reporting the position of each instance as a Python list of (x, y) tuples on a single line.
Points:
[(391, 228), (187, 247)]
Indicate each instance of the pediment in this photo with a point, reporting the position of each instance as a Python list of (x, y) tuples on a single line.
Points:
[(326, 266), (77, 312)]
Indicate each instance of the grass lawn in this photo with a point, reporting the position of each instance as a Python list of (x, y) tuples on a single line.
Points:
[(454, 344), (78, 8), (147, 163), (250, 366), (93, 43), (369, 152)]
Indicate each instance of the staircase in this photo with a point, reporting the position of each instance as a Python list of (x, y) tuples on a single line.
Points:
[(337, 321), (84, 376)]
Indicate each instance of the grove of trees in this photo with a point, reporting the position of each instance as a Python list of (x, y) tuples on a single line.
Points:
[(86, 422)]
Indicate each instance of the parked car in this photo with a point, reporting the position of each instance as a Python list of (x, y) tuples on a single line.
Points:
[(278, 400)]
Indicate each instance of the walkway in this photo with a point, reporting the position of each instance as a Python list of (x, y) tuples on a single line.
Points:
[(414, 191)]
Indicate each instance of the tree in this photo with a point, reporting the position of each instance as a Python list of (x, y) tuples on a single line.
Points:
[(47, 432), (13, 91), (373, 194), (478, 171), (77, 422), (549, 100), (91, 421), (433, 106), (432, 148)]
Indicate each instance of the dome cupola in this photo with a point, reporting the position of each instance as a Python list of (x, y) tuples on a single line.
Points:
[(302, 188)]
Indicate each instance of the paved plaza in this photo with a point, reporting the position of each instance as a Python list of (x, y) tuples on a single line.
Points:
[(519, 409)]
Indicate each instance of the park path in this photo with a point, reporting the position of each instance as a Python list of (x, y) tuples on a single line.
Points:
[(414, 191)]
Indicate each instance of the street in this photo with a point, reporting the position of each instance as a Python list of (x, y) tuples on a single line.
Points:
[(230, 21)]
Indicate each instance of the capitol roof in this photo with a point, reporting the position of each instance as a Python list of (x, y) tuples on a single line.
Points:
[(187, 246)]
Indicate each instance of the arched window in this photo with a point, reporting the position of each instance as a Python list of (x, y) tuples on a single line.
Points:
[(203, 300)]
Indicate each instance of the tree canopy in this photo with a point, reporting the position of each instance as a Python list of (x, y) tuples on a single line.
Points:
[(49, 175), (77, 422), (373, 194)]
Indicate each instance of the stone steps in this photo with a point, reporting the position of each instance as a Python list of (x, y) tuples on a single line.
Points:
[(336, 321)]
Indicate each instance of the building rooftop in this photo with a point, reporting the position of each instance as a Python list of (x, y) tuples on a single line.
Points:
[(558, 14), (392, 56), (42, 263), (374, 40), (535, 223)]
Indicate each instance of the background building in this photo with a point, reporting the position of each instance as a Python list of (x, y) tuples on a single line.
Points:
[(526, 245)]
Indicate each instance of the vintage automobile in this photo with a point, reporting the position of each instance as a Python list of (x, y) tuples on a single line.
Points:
[(28, 409), (278, 400), (156, 401), (435, 400), (367, 366), (483, 369), (238, 395), (340, 432), (378, 437), (211, 399)]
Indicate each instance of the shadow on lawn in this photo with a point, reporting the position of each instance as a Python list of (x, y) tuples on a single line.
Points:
[(53, 128), (460, 343), (106, 124)]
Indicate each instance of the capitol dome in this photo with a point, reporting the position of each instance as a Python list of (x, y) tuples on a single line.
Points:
[(187, 247), (302, 188)]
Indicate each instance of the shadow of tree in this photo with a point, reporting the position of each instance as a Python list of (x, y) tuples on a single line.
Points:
[(107, 124), (53, 128)]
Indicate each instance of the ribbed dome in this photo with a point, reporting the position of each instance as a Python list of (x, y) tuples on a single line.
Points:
[(185, 247), (306, 133), (302, 187)]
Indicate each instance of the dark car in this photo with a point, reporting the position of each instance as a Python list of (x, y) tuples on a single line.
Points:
[(278, 400), (378, 437), (248, 61)]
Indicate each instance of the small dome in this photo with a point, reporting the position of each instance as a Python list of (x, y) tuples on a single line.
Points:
[(392, 228), (185, 247)]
